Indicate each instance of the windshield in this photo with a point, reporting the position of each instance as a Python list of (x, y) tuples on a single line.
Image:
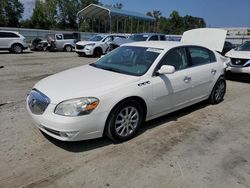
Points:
[(129, 60), (138, 37), (244, 47), (96, 38)]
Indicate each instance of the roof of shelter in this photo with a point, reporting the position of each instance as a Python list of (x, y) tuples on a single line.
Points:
[(97, 11)]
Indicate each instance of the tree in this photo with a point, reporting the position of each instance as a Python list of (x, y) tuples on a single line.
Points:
[(10, 13), (118, 5), (38, 19)]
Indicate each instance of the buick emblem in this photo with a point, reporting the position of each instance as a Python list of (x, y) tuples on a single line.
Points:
[(33, 102)]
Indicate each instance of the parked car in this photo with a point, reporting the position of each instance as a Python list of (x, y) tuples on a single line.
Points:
[(227, 47), (117, 43), (147, 37), (96, 46), (134, 83), (59, 42), (135, 38), (39, 44), (240, 61), (12, 41)]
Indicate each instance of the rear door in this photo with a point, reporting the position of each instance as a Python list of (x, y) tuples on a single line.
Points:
[(203, 71)]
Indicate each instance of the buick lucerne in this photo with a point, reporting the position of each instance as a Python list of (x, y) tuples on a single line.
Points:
[(134, 83)]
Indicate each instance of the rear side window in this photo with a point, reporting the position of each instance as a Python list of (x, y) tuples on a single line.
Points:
[(8, 35), (200, 56), (154, 37), (162, 37), (68, 36)]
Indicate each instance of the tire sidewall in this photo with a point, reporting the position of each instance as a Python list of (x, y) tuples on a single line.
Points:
[(13, 48), (97, 52), (212, 97), (110, 126), (67, 47)]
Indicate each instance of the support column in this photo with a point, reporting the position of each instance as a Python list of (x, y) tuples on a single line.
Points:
[(124, 29), (117, 24), (110, 24), (138, 26), (131, 26)]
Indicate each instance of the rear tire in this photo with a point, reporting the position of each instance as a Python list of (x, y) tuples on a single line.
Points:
[(17, 48), (124, 121), (68, 48), (218, 92)]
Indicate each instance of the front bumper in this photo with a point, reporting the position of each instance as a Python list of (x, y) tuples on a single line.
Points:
[(84, 51), (69, 128), (245, 70)]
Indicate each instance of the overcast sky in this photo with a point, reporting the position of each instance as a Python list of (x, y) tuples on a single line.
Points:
[(217, 13)]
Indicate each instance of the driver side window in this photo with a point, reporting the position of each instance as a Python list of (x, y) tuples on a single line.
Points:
[(176, 57)]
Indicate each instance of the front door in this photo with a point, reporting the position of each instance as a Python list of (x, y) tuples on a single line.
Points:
[(171, 91)]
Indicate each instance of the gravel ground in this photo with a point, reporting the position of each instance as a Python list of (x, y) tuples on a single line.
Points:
[(201, 146)]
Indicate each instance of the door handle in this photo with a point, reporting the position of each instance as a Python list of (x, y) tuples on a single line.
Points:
[(187, 79), (213, 71)]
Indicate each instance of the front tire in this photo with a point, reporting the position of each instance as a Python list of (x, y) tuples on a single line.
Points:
[(97, 52), (124, 121), (218, 92)]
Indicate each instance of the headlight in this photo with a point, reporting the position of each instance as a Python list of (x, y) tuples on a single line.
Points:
[(77, 107), (89, 46), (247, 64)]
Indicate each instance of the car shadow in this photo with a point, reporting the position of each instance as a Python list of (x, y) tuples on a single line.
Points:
[(174, 116), (83, 146), (238, 78), (24, 52)]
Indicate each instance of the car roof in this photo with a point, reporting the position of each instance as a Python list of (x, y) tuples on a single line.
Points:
[(150, 34), (9, 31), (160, 44)]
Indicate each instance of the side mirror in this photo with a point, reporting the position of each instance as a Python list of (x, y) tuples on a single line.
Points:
[(166, 69)]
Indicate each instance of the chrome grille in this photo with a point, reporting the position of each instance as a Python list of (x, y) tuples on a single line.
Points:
[(79, 47), (38, 102)]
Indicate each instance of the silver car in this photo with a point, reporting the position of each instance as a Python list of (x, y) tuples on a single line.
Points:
[(59, 42)]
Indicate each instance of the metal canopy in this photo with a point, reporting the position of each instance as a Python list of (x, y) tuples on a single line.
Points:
[(97, 11)]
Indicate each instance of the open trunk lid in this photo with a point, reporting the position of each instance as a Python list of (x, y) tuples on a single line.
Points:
[(211, 38)]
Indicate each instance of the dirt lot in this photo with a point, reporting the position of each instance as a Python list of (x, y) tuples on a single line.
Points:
[(201, 146)]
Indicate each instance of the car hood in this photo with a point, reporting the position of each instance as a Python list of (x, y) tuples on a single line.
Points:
[(211, 38), (83, 43), (84, 81), (238, 54)]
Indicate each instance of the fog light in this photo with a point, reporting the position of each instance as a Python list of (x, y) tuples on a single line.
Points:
[(68, 134)]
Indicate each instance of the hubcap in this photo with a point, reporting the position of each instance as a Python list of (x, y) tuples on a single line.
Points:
[(220, 91), (17, 49), (127, 121), (68, 48)]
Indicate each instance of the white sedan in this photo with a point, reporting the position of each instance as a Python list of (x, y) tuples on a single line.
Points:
[(134, 83)]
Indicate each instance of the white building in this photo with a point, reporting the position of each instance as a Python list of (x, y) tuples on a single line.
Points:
[(238, 31)]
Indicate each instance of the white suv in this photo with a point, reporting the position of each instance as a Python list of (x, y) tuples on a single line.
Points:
[(96, 46), (12, 41)]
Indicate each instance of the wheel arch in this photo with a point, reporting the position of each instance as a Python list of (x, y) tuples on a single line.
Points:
[(136, 98), (67, 44), (18, 43), (97, 47)]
